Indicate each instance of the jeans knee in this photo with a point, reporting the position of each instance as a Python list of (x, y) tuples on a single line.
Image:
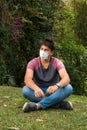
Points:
[(25, 91), (70, 88)]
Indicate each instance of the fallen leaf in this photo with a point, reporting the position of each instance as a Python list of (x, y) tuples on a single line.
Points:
[(5, 105), (13, 128), (39, 120), (6, 96)]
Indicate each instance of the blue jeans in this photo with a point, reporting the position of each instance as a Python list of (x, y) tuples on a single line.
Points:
[(49, 100)]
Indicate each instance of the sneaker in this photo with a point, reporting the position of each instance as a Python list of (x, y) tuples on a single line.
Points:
[(29, 106), (67, 105)]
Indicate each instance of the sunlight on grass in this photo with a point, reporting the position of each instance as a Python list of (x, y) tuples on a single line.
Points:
[(13, 118)]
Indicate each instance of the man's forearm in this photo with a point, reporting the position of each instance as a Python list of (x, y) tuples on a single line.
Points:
[(31, 84), (63, 82)]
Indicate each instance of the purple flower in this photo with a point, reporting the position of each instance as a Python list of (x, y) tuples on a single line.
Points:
[(5, 22), (14, 0), (15, 28), (20, 33), (17, 20), (15, 39), (21, 24)]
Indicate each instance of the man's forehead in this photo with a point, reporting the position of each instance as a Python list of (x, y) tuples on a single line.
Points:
[(44, 46)]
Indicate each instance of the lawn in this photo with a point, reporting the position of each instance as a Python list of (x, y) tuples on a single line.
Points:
[(13, 118)]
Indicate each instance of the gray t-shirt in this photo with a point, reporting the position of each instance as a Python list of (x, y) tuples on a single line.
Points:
[(45, 77)]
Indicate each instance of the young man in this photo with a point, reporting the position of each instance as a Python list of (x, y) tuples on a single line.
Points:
[(47, 81)]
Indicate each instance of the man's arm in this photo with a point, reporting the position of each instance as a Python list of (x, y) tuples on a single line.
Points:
[(30, 83), (64, 77), (28, 79)]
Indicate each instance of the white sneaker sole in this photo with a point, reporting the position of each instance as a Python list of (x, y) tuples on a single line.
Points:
[(70, 104), (24, 106)]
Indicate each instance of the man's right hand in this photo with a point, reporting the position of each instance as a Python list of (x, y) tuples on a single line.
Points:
[(39, 93)]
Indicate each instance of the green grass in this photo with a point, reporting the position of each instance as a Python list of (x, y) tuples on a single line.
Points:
[(13, 118)]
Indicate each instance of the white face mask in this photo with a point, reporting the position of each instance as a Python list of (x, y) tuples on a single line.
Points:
[(43, 55)]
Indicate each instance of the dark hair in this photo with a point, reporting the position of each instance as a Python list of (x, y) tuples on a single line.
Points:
[(48, 42)]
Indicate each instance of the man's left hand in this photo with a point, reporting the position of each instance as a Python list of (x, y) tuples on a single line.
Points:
[(51, 89)]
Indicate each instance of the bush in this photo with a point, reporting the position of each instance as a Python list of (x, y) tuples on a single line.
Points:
[(80, 7), (21, 27), (2, 71), (24, 23), (75, 60)]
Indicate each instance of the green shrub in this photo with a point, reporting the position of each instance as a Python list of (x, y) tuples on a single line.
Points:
[(80, 7), (2, 71), (23, 23), (21, 27), (74, 57)]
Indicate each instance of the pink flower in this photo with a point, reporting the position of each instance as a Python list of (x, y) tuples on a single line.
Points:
[(15, 28), (21, 24), (15, 39), (14, 0), (17, 20), (20, 33), (5, 22)]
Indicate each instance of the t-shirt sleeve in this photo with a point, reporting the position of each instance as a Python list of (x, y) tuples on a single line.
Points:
[(60, 65), (31, 64)]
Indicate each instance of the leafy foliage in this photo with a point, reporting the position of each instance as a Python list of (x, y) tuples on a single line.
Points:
[(81, 20), (24, 23), (75, 61)]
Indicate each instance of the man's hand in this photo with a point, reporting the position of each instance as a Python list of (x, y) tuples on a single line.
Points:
[(39, 93), (51, 89)]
